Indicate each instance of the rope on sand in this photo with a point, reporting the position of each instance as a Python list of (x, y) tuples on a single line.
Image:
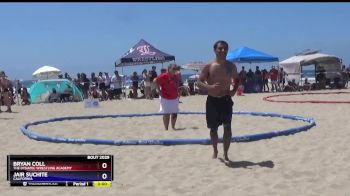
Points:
[(309, 101), (206, 141)]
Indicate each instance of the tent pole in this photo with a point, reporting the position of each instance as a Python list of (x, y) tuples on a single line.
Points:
[(315, 74), (301, 73), (17, 95), (123, 83)]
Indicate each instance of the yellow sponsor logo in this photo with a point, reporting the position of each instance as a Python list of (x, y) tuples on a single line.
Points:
[(102, 183)]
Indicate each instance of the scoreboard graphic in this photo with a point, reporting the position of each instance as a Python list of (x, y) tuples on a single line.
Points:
[(60, 170)]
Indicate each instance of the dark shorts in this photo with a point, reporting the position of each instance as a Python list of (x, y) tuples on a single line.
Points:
[(102, 86), (135, 84), (117, 91), (218, 111)]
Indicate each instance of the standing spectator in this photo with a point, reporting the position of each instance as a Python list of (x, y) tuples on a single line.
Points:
[(258, 80), (66, 76), (116, 85), (135, 84), (147, 81), (5, 91), (265, 76), (282, 77), (77, 81), (94, 80), (107, 80), (274, 77), (101, 80), (250, 82), (85, 83), (153, 86), (243, 76)]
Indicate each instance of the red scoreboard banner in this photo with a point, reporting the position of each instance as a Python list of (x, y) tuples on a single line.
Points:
[(60, 170)]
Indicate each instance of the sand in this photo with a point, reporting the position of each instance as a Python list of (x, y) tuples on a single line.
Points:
[(312, 163)]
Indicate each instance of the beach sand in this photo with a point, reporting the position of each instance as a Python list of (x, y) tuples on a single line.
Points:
[(312, 163)]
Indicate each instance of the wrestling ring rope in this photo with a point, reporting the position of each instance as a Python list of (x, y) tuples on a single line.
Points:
[(268, 98), (206, 141)]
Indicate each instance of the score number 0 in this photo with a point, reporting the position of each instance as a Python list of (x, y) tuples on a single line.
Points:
[(104, 175)]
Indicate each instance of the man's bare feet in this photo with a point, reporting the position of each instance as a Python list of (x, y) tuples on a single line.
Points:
[(215, 154), (9, 111)]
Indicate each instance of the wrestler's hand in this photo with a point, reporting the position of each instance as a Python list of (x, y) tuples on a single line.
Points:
[(232, 92)]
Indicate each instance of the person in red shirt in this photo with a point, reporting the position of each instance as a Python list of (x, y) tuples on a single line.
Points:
[(168, 84), (274, 77)]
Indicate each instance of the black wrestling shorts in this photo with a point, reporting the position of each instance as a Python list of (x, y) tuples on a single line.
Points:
[(218, 111)]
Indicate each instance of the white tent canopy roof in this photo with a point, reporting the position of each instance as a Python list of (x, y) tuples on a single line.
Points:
[(309, 59), (293, 65)]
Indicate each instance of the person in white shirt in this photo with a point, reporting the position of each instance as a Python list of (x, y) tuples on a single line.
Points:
[(116, 85)]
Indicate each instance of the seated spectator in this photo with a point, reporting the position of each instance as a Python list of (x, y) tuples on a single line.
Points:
[(54, 96), (307, 85), (25, 96), (67, 94), (184, 91), (291, 86), (93, 93)]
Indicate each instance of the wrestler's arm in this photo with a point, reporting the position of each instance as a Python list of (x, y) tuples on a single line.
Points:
[(203, 77), (236, 80)]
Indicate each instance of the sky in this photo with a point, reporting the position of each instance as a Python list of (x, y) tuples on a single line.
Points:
[(90, 37)]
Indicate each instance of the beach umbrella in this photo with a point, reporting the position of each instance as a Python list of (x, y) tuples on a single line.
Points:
[(194, 65), (46, 72)]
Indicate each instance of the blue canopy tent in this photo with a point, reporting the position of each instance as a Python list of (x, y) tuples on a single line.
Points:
[(248, 55)]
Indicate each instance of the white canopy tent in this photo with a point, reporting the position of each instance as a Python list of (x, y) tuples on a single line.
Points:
[(293, 65), (46, 72)]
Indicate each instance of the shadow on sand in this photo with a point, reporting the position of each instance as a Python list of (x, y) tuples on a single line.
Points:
[(247, 164), (6, 118), (184, 128)]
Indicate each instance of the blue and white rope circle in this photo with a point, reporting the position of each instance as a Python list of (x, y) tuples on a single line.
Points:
[(205, 141)]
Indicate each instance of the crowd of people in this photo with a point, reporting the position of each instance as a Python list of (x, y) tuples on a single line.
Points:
[(104, 87), (258, 81), (215, 81)]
